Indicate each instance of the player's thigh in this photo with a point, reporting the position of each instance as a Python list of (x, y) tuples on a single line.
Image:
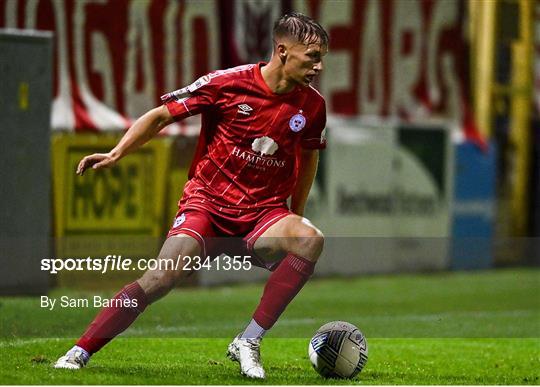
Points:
[(168, 269), (291, 234)]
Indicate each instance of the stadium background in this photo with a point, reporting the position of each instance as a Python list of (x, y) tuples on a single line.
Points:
[(429, 191), (432, 124)]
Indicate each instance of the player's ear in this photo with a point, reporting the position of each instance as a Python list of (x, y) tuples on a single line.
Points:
[(281, 51)]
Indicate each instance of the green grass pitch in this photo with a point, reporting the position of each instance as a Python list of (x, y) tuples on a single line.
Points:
[(443, 328)]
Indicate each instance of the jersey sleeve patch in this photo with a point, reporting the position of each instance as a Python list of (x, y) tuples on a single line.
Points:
[(185, 92)]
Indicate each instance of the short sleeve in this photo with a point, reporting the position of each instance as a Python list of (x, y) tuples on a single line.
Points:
[(192, 99), (313, 137)]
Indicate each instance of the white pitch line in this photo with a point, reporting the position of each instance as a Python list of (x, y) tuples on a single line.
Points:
[(310, 321), (136, 332)]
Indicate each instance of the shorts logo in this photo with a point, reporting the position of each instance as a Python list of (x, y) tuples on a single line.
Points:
[(179, 220), (245, 109), (297, 122)]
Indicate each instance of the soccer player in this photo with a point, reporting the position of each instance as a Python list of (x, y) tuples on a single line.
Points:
[(261, 133)]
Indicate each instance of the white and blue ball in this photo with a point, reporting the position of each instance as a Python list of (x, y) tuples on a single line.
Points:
[(338, 350)]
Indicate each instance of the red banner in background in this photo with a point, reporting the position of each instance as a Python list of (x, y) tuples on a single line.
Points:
[(114, 58)]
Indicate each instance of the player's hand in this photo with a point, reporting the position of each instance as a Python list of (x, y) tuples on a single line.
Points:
[(95, 161)]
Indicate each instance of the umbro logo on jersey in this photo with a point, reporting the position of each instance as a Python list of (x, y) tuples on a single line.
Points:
[(245, 109)]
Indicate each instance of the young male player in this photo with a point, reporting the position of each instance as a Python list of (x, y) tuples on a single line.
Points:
[(261, 131)]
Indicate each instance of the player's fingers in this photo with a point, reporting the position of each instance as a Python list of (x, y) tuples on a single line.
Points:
[(87, 162), (102, 164), (82, 166)]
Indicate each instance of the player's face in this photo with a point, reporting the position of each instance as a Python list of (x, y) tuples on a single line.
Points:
[(304, 62)]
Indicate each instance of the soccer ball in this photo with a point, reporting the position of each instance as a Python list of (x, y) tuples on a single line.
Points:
[(338, 350)]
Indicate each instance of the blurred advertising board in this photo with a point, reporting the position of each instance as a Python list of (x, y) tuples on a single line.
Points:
[(384, 204), (473, 210), (386, 179)]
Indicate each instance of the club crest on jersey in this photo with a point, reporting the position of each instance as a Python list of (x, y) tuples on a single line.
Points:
[(179, 220), (297, 122)]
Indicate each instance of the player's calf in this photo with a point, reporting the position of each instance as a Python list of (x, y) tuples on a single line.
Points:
[(157, 283)]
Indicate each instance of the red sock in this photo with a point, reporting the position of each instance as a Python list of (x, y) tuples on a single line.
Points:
[(113, 320), (282, 286)]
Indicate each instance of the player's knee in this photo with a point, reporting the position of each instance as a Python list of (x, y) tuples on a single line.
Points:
[(309, 243)]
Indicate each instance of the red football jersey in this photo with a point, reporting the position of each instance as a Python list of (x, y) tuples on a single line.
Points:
[(250, 138)]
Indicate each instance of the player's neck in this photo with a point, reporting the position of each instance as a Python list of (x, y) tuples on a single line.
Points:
[(274, 78)]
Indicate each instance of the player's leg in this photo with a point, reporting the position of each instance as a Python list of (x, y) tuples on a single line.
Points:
[(157, 283), (113, 320), (301, 243)]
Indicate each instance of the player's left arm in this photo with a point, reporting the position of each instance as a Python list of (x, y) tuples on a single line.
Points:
[(307, 169), (313, 140)]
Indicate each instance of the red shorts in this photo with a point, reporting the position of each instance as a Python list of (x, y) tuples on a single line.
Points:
[(214, 232)]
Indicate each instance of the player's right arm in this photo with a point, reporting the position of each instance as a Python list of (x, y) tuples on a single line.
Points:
[(142, 130)]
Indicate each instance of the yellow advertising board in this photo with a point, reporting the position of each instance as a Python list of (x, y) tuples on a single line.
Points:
[(128, 198)]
